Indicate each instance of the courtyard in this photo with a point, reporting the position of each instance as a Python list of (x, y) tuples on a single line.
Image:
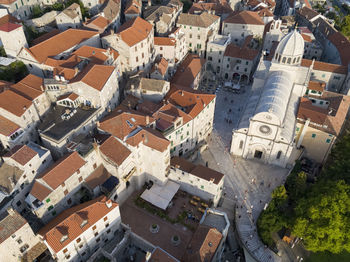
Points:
[(248, 183)]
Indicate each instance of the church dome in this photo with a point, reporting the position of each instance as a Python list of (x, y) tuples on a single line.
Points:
[(290, 49)]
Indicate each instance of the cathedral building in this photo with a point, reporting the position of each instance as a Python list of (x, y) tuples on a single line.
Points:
[(266, 130)]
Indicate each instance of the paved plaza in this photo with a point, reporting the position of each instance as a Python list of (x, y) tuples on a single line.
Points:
[(248, 183)]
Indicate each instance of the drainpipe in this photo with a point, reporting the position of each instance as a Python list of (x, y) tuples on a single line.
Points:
[(301, 137)]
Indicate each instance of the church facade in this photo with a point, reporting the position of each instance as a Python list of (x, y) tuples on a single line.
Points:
[(266, 130)]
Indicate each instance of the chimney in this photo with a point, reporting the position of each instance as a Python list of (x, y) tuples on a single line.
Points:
[(10, 211), (109, 203), (76, 69), (42, 88), (147, 120), (182, 93)]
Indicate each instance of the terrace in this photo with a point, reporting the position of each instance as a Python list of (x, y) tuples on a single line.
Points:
[(170, 229)]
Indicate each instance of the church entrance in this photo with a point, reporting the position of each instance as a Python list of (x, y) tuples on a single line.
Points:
[(258, 154)]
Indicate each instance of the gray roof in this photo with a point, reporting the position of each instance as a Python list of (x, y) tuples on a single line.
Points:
[(152, 84), (71, 10), (10, 224), (275, 96), (203, 20), (151, 13), (9, 176)]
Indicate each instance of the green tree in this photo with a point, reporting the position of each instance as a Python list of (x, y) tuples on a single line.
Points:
[(2, 52), (345, 26), (323, 217), (37, 12), (14, 72)]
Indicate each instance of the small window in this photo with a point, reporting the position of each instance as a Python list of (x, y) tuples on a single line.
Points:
[(80, 179), (202, 187), (279, 155), (50, 207), (94, 227), (105, 218), (18, 203), (65, 250), (96, 234), (241, 144), (65, 192), (313, 135), (94, 166), (98, 240), (78, 240), (328, 140)]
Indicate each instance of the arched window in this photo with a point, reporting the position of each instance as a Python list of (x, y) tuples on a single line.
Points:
[(279, 58), (272, 26), (279, 154), (294, 60), (226, 75), (289, 60), (298, 59), (276, 56), (284, 60), (240, 144)]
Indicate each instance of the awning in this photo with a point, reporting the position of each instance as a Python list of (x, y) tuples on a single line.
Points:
[(160, 196)]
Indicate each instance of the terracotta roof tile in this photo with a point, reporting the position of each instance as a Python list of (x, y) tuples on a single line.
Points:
[(121, 124), (306, 38), (245, 17), (322, 66), (307, 12), (95, 54), (29, 87), (191, 103), (14, 103), (99, 23), (159, 255), (197, 170), (329, 119), (150, 138), (317, 86), (40, 191), (114, 150), (8, 19), (133, 7), (343, 46), (244, 53), (98, 177), (164, 41), (22, 154), (134, 31), (220, 8), (188, 70), (8, 27), (70, 220), (72, 10), (88, 75), (203, 244), (67, 40), (7, 127), (61, 170), (161, 66)]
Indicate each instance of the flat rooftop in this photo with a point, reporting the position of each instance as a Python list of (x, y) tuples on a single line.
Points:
[(131, 215), (214, 220), (55, 128), (221, 40)]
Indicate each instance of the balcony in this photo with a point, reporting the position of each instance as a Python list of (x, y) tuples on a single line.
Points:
[(127, 177), (33, 202)]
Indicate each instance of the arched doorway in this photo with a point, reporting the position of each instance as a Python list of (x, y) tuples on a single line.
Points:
[(235, 78), (244, 79)]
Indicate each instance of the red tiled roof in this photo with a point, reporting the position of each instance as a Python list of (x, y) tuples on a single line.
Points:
[(121, 124), (114, 150), (343, 46), (306, 38), (62, 169), (322, 66), (8, 27), (134, 31), (244, 53), (67, 40), (69, 222), (98, 177), (203, 244), (14, 103), (40, 191), (22, 154), (88, 75), (197, 170), (317, 86), (97, 55), (191, 103), (245, 17), (7, 127), (329, 119), (188, 70), (29, 87), (164, 41), (151, 138)]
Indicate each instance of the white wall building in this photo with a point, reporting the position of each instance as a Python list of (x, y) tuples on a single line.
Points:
[(69, 18), (199, 29), (197, 180), (243, 24), (79, 231), (267, 128)]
